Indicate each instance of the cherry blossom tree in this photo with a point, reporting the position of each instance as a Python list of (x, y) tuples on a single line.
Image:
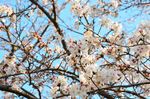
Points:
[(72, 49)]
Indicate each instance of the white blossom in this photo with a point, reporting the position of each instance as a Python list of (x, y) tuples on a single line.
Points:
[(107, 77), (106, 22), (74, 89), (58, 49), (45, 2), (91, 69), (116, 27), (60, 80), (82, 78), (6, 10), (53, 91), (115, 3), (10, 60)]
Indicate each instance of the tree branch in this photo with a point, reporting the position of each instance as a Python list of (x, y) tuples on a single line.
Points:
[(9, 89)]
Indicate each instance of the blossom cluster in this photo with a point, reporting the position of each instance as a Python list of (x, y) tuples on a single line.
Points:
[(82, 8), (6, 10), (106, 60), (108, 23), (9, 66), (100, 67), (86, 64), (141, 40)]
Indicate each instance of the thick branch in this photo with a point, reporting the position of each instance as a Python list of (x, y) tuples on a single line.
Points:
[(19, 93), (54, 23)]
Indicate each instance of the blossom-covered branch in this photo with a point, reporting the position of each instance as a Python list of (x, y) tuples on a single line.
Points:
[(74, 49)]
